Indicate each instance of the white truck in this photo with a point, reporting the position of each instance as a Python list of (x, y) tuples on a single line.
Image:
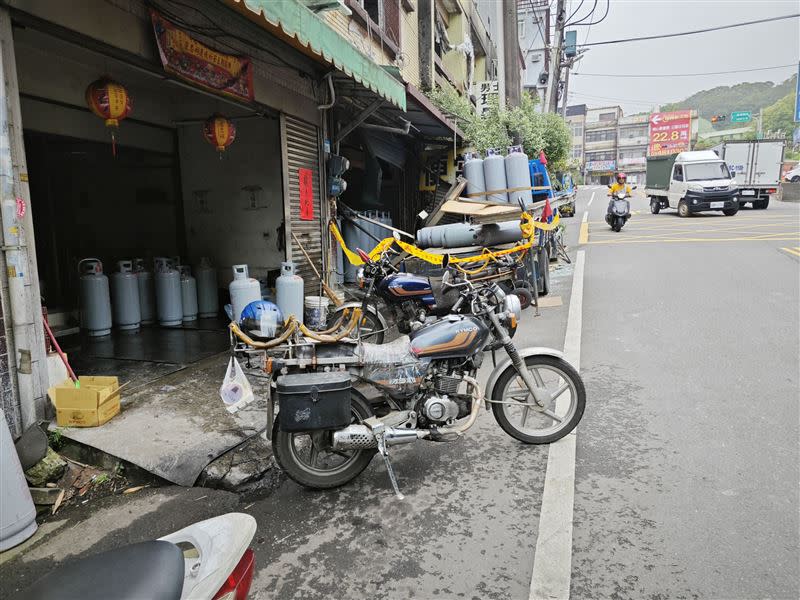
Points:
[(756, 164), (691, 182)]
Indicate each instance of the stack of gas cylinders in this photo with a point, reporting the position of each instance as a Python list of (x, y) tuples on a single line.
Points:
[(505, 178), (134, 296)]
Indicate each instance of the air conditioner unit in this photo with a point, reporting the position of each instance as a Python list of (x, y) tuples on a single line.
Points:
[(318, 6)]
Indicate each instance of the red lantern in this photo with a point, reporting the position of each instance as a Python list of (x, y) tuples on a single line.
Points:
[(109, 100), (219, 131)]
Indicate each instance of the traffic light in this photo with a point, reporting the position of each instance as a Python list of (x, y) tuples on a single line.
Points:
[(719, 118)]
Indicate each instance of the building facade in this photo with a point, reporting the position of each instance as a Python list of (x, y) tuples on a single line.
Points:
[(317, 83), (600, 144), (534, 42), (632, 140), (576, 119)]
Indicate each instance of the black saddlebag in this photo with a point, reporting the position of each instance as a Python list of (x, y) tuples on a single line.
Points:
[(313, 401)]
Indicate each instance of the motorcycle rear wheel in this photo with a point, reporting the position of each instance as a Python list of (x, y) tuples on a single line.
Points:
[(558, 377), (308, 459)]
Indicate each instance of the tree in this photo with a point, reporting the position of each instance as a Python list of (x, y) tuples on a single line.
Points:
[(779, 117), (498, 128)]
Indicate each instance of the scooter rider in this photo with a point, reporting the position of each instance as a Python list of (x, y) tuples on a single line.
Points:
[(621, 184)]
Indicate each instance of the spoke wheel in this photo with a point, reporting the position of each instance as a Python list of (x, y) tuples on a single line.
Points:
[(559, 382), (309, 459)]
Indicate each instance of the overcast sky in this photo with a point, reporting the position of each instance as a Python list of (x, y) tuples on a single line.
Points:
[(753, 46)]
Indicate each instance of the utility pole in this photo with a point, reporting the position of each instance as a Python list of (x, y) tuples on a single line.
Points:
[(511, 53), (551, 98), (565, 97)]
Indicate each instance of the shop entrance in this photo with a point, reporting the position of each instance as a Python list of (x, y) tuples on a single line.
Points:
[(166, 193)]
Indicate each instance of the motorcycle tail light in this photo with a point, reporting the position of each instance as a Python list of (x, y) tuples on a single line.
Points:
[(237, 585)]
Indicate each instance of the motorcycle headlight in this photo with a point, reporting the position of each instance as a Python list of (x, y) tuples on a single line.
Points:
[(513, 307), (360, 277)]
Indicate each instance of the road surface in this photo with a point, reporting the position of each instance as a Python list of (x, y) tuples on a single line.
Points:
[(685, 466)]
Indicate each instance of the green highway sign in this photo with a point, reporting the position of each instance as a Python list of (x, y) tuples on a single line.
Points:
[(742, 116)]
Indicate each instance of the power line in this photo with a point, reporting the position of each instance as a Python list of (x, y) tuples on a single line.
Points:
[(603, 18), (696, 31), (686, 74), (590, 13)]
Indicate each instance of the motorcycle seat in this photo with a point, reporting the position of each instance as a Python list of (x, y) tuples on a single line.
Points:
[(395, 352), (152, 570), (445, 300)]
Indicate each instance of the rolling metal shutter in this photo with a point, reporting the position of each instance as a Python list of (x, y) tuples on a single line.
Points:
[(301, 144)]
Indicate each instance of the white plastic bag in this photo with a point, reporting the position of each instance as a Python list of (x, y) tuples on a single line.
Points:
[(235, 390)]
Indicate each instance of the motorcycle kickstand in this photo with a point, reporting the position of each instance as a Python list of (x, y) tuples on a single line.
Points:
[(384, 452)]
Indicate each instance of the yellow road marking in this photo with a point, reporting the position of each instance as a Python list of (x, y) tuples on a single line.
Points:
[(795, 251), (583, 238), (790, 238)]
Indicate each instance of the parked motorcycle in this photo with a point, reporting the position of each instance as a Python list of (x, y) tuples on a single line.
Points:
[(412, 300), (209, 560), (326, 432)]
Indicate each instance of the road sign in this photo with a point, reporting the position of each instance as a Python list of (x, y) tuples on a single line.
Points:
[(741, 116)]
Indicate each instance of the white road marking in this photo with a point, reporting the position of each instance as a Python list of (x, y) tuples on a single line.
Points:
[(585, 216), (552, 563), (588, 204)]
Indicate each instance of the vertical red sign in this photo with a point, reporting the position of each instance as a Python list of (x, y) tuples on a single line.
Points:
[(670, 133), (306, 177)]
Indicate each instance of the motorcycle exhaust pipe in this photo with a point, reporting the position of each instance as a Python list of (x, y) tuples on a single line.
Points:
[(361, 437)]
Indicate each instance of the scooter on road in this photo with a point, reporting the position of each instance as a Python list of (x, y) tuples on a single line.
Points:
[(619, 210)]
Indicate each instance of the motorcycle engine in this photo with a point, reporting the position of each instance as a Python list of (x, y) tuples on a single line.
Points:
[(440, 409)]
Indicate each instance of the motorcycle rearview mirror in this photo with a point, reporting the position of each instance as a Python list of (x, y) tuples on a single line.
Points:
[(396, 235), (634, 187), (445, 261), (609, 186)]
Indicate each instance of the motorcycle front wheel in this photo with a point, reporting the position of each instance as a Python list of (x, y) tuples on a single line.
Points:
[(562, 411), (309, 459)]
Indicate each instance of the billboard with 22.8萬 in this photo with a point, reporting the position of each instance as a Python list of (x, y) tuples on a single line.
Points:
[(670, 133)]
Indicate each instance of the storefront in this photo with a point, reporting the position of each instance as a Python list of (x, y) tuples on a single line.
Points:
[(175, 181)]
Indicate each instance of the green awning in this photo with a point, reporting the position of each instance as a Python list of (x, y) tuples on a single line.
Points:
[(301, 28)]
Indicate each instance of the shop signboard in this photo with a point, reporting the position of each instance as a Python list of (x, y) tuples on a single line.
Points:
[(485, 91), (670, 133), (600, 165), (192, 61)]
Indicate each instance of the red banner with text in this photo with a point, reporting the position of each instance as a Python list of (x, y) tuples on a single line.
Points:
[(306, 185), (189, 59), (670, 133)]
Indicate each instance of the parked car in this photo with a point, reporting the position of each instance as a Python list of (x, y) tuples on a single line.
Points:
[(793, 175)]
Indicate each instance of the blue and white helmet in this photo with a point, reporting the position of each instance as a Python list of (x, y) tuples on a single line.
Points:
[(262, 318)]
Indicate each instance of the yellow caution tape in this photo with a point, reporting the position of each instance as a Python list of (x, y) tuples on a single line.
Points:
[(528, 226)]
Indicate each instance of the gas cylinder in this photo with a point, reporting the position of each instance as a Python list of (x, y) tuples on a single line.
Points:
[(188, 294), (289, 292), (125, 295), (243, 289), (518, 175), (95, 298), (147, 300), (169, 299), (207, 297), (473, 172), (494, 175)]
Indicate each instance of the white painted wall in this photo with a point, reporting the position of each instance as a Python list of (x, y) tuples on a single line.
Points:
[(223, 226)]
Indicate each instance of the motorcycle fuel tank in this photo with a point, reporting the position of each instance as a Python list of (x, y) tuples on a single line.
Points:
[(407, 286), (455, 336)]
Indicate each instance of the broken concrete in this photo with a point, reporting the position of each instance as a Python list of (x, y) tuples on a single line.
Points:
[(50, 468), (174, 426)]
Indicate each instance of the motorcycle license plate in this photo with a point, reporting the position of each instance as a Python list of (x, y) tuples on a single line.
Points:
[(748, 192), (717, 205)]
